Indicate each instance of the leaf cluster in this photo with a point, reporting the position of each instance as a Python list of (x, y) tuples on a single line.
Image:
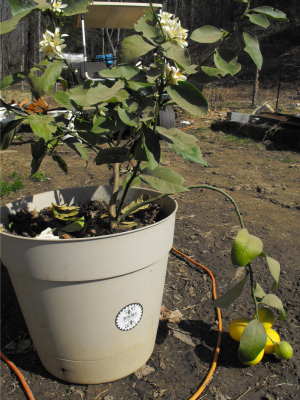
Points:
[(245, 249)]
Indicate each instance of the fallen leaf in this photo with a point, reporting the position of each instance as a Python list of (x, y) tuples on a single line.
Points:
[(184, 338), (20, 347), (66, 236), (145, 370), (35, 214), (134, 203), (170, 316)]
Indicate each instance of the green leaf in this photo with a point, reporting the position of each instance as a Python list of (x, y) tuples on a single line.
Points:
[(258, 292), (122, 72), (35, 83), (270, 13), (76, 6), (260, 20), (253, 341), (83, 123), (138, 150), (184, 145), (132, 48), (64, 84), (154, 73), (147, 25), (273, 301), (20, 10), (8, 132), (151, 146), (130, 105), (106, 125), (63, 99), (78, 95), (231, 295), (75, 226), (102, 93), (274, 268), (148, 107), (92, 138), (12, 80), (42, 126), (164, 180), (245, 248), (226, 61), (205, 75), (201, 75), (252, 48), (207, 34), (35, 165), (60, 161), (130, 119), (40, 85), (188, 97), (41, 4), (178, 54), (119, 97), (111, 155), (50, 76), (141, 89), (80, 149), (38, 149)]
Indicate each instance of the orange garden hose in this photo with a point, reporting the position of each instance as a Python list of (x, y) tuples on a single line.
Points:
[(20, 376), (217, 351), (212, 368)]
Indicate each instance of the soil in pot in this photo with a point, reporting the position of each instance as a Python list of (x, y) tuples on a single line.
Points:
[(96, 222)]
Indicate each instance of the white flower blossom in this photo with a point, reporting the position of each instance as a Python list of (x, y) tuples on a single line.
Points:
[(172, 29), (173, 75), (52, 44), (56, 6)]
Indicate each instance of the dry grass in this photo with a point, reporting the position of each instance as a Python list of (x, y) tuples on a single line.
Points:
[(226, 94)]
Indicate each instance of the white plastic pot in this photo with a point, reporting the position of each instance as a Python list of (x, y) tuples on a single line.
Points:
[(91, 305)]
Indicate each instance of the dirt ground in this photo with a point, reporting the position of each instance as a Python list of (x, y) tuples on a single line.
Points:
[(265, 182)]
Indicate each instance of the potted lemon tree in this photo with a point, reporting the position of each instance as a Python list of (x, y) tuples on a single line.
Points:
[(92, 302)]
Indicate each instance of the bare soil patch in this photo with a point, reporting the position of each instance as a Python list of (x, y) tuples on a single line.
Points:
[(264, 181)]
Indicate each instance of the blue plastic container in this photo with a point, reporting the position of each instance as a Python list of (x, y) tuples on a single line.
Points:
[(109, 59), (99, 58)]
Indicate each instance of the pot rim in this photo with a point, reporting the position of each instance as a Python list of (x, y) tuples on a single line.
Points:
[(48, 241)]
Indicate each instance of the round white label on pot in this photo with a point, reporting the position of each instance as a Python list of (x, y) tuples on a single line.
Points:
[(129, 316)]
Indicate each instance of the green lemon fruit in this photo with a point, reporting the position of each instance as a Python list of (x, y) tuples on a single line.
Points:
[(266, 317), (284, 350), (273, 338), (237, 327), (256, 360)]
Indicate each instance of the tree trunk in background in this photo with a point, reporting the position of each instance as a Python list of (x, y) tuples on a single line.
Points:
[(38, 38), (23, 45), (113, 48), (5, 13)]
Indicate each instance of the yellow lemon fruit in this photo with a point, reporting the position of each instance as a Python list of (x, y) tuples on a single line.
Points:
[(266, 317), (284, 350), (256, 360), (237, 327), (270, 346)]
